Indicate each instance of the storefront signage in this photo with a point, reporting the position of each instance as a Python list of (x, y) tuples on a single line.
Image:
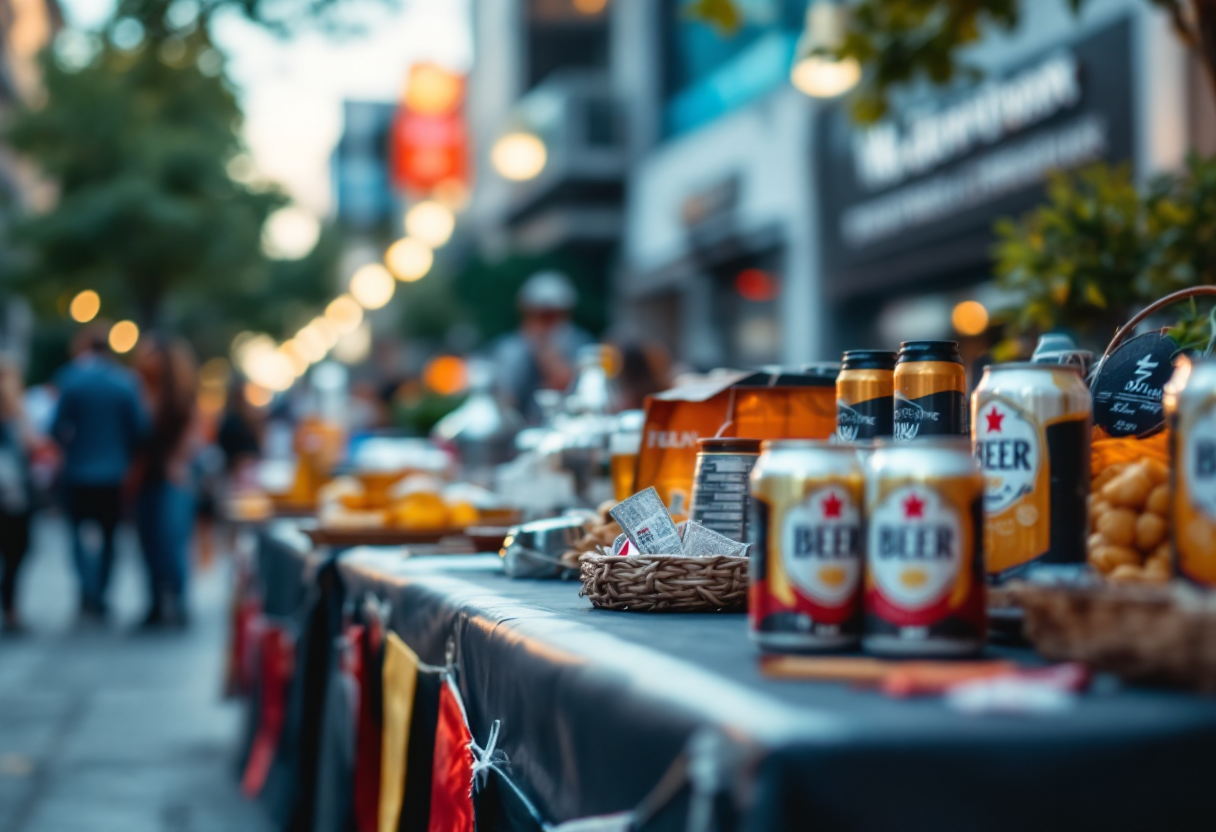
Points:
[(915, 197)]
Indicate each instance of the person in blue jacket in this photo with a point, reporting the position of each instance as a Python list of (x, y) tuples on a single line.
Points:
[(99, 425)]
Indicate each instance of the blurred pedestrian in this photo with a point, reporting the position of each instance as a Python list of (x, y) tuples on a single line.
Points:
[(17, 443), (166, 501), (540, 355), (99, 425), (645, 370), (240, 432)]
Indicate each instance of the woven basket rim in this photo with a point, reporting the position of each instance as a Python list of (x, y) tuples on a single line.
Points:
[(593, 556)]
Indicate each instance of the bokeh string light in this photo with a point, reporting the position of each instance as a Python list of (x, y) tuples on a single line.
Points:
[(85, 306)]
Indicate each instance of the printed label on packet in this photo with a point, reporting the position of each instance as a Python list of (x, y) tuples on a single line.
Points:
[(700, 542), (645, 521)]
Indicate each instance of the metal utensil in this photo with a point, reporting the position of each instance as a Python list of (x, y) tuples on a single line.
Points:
[(534, 550)]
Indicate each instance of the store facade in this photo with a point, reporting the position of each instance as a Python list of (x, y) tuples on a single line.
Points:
[(907, 207), (865, 237)]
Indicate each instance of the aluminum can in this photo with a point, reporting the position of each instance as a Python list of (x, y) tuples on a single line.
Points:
[(806, 546), (720, 485), (930, 391), (1031, 425), (924, 586), (1193, 495), (865, 389)]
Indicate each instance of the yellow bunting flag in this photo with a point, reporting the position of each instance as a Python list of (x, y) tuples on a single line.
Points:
[(400, 683)]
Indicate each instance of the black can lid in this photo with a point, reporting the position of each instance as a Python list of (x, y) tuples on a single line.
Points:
[(729, 445), (929, 351), (869, 360)]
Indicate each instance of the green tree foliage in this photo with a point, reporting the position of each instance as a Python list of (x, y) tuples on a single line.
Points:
[(136, 132), (1100, 249)]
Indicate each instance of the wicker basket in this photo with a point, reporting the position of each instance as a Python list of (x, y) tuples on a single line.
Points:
[(1163, 634), (665, 583)]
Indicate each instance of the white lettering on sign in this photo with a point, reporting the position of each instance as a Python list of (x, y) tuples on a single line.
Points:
[(671, 439), (887, 155), (1003, 171)]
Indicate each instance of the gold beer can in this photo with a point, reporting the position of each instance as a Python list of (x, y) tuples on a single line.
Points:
[(924, 584), (930, 391), (1031, 425), (806, 548), (865, 390), (1193, 495)]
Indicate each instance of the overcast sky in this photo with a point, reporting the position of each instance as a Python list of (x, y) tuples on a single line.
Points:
[(292, 90)]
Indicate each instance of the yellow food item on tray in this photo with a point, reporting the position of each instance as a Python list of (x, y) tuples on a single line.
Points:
[(420, 510), (1129, 527)]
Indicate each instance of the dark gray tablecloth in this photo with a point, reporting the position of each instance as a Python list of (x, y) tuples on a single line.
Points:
[(595, 706)]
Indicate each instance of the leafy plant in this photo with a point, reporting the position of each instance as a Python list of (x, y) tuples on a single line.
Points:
[(136, 132), (1099, 249)]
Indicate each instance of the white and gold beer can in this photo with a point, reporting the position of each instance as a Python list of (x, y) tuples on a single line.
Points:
[(1193, 496), (1031, 425), (806, 554), (924, 584)]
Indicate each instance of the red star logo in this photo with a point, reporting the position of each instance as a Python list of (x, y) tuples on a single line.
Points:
[(994, 420), (914, 507), (832, 506)]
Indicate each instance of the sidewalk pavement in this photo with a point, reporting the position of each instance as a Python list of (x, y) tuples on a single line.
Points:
[(106, 729)]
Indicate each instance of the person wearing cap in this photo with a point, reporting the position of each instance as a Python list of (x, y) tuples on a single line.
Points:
[(540, 354)]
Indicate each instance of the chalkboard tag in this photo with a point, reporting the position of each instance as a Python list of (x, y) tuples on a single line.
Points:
[(1127, 390)]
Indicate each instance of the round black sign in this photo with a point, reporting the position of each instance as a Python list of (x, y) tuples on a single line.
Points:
[(1127, 390)]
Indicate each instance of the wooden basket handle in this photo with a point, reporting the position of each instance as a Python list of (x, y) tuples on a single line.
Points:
[(1182, 294)]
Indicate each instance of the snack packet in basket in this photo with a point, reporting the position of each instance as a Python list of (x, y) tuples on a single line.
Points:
[(645, 521), (700, 542)]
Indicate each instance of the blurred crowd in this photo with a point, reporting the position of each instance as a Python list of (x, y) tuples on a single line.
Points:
[(106, 442)]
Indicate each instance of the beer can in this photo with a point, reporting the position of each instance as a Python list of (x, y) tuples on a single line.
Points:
[(806, 554), (1193, 495), (924, 586), (1031, 425), (930, 391), (865, 407), (720, 485)]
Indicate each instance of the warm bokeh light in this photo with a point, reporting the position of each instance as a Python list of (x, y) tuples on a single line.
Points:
[(372, 286), (262, 363), (430, 222), (432, 90), (447, 375), (344, 314), (519, 156), (969, 318), (85, 306), (756, 285), (311, 343), (257, 396), (408, 259), (124, 335), (290, 233), (327, 331), (821, 77), (590, 7), (354, 347), (295, 357)]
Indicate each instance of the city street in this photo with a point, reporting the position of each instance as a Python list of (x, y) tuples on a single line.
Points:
[(105, 729)]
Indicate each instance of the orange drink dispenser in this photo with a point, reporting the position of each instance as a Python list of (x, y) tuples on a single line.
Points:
[(770, 404), (318, 447)]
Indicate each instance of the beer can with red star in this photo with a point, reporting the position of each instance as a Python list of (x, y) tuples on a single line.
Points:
[(1031, 424), (924, 583), (806, 546)]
